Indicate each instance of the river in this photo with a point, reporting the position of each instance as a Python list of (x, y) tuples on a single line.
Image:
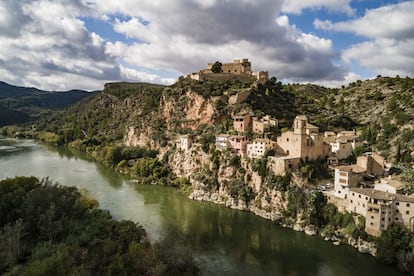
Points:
[(223, 241)]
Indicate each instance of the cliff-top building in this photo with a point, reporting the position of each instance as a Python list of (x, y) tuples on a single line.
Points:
[(238, 69)]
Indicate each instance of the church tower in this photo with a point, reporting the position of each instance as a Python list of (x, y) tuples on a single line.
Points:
[(299, 125)]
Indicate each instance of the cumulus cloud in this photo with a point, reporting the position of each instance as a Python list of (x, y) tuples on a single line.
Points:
[(297, 6), (52, 48), (390, 33), (185, 35), (393, 21)]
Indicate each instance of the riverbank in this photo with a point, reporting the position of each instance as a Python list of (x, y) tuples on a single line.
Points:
[(336, 238), (222, 240)]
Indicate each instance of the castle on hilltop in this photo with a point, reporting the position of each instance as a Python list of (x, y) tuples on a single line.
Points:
[(239, 69)]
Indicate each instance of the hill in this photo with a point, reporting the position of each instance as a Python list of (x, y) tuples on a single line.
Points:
[(151, 115), (23, 104)]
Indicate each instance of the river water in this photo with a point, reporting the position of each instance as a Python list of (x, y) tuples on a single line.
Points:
[(223, 241)]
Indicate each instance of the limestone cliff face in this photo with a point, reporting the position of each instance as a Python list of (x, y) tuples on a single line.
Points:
[(176, 111), (190, 110), (213, 184)]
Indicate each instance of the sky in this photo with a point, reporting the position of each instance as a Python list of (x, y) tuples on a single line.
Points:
[(83, 44)]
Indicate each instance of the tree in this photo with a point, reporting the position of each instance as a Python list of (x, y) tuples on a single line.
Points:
[(216, 68), (407, 175)]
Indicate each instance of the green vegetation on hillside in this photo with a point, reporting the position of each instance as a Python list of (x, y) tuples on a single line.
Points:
[(47, 229), (22, 105)]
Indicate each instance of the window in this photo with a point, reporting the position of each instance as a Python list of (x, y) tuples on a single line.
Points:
[(396, 218), (372, 217), (382, 219), (397, 203), (287, 139), (366, 198), (352, 201), (375, 201), (363, 205), (408, 204), (407, 212), (359, 196), (353, 194), (371, 223)]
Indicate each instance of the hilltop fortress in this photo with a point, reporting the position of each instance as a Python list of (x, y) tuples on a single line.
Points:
[(239, 69)]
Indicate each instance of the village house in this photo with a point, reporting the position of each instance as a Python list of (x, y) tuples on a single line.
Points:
[(222, 141), (280, 165), (184, 142), (304, 141), (236, 143), (242, 122), (381, 206), (239, 144), (258, 147), (342, 144), (263, 124), (351, 176)]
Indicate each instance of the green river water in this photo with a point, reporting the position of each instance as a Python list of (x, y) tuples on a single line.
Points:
[(223, 241)]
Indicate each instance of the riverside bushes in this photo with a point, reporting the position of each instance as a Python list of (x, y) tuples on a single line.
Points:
[(46, 229)]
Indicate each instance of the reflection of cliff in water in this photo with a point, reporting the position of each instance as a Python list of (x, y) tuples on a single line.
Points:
[(113, 178), (251, 240)]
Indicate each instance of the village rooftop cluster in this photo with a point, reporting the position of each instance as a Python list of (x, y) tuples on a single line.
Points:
[(363, 188)]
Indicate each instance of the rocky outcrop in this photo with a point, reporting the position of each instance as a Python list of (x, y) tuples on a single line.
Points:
[(189, 110), (363, 246)]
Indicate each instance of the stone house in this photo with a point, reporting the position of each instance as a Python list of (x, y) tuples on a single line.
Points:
[(280, 165), (347, 177), (381, 208), (229, 142), (264, 124), (304, 141), (239, 144), (242, 122), (342, 144), (222, 142), (258, 147), (184, 142), (372, 162), (350, 176)]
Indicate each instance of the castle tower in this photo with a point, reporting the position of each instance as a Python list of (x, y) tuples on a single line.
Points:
[(299, 125)]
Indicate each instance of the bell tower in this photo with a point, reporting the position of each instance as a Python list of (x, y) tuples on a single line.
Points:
[(299, 125)]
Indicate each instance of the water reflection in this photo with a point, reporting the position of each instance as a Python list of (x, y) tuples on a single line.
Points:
[(224, 241)]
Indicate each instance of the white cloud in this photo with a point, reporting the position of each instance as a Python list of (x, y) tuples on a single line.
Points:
[(393, 21), (388, 57), (141, 76), (390, 48), (297, 6), (187, 43), (51, 42)]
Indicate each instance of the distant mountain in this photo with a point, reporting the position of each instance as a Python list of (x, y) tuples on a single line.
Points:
[(11, 91), (25, 104)]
